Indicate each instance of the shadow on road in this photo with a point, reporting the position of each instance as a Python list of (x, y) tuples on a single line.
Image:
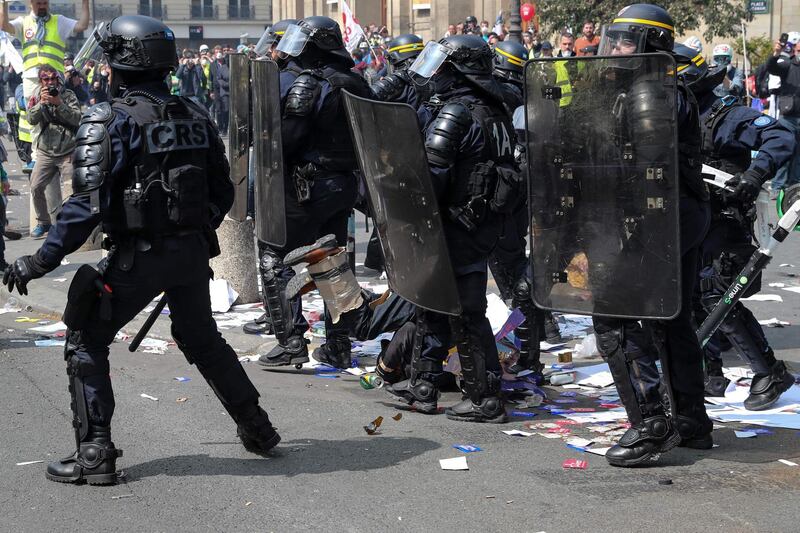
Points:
[(295, 457)]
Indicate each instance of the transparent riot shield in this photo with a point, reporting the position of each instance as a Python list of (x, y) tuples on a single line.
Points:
[(270, 209), (603, 185), (90, 50), (392, 159), (239, 132)]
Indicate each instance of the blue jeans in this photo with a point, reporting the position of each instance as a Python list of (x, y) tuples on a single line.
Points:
[(789, 174)]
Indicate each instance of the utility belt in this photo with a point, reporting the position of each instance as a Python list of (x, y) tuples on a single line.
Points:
[(491, 188), (126, 246)]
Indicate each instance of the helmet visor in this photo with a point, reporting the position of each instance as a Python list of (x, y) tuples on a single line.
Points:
[(294, 40), (428, 61), (90, 50), (265, 42), (617, 42), (722, 60)]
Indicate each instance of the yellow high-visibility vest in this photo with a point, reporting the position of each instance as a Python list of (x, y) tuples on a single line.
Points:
[(562, 80), (50, 51), (24, 127)]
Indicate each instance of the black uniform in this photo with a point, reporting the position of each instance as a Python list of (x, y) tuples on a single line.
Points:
[(320, 185), (152, 170)]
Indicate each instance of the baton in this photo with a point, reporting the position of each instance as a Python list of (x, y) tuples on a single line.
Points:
[(151, 319)]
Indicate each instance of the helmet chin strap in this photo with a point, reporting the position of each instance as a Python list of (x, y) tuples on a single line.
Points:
[(115, 84)]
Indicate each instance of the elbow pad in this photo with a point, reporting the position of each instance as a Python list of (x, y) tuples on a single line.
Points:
[(92, 157), (302, 95)]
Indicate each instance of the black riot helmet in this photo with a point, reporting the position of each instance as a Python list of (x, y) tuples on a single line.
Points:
[(638, 28), (315, 40), (403, 49), (470, 24), (509, 60), (456, 58), (136, 43), (272, 35), (695, 72)]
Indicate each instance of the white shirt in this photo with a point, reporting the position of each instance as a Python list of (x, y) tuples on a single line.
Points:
[(66, 26)]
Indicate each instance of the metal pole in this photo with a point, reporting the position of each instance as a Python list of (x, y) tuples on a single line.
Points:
[(515, 23), (94, 20), (747, 97)]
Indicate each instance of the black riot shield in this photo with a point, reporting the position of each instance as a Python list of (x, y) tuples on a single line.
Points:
[(392, 158), (270, 209), (603, 185), (239, 132)]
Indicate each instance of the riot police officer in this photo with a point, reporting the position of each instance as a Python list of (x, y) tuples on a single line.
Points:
[(469, 145), (320, 185), (398, 86), (151, 168), (509, 61), (631, 348), (265, 48), (730, 131)]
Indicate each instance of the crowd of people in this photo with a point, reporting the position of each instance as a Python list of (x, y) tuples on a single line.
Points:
[(461, 212)]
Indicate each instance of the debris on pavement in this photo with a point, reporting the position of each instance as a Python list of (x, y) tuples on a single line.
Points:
[(397, 417), (787, 462), (49, 342), (373, 426), (517, 433), (180, 400), (578, 464), (147, 396), (454, 463), (466, 448), (774, 323), (182, 379), (222, 295), (156, 346), (26, 463), (745, 434)]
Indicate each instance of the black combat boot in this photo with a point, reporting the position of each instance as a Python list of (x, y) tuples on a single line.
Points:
[(489, 409), (716, 383), (693, 424), (644, 443), (260, 326), (766, 389), (550, 330), (419, 393), (94, 462), (335, 352), (293, 352), (255, 430)]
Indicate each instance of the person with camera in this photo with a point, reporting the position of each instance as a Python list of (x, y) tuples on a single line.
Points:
[(54, 112), (785, 63), (191, 78)]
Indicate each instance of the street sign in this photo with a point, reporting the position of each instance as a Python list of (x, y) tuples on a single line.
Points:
[(758, 7)]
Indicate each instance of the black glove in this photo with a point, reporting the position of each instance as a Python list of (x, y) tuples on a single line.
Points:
[(21, 271), (746, 186)]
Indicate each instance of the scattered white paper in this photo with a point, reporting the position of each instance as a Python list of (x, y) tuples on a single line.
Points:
[(355, 371), (517, 433), (147, 396), (222, 295), (454, 463), (156, 346), (579, 442), (50, 328), (598, 451), (792, 289), (786, 265), (745, 434), (26, 463), (550, 435), (59, 280), (49, 342), (496, 311), (774, 322), (763, 298), (778, 285), (784, 461)]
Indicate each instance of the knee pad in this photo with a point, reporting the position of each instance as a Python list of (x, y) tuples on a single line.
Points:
[(609, 342)]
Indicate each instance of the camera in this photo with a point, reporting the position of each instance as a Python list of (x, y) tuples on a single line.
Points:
[(52, 91)]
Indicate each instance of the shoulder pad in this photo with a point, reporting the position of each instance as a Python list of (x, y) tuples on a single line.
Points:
[(388, 88), (446, 133), (98, 113), (92, 156), (302, 95)]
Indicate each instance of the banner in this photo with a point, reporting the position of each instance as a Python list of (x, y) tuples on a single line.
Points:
[(353, 32), (9, 53)]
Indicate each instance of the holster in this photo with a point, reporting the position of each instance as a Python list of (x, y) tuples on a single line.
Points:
[(303, 177), (85, 292)]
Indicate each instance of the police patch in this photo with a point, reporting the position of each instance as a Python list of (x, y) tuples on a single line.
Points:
[(172, 135), (762, 121)]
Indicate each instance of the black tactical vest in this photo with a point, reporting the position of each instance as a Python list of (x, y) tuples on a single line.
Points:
[(331, 136), (166, 189), (690, 163), (733, 161)]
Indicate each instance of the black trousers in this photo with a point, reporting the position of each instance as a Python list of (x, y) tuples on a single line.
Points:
[(180, 269)]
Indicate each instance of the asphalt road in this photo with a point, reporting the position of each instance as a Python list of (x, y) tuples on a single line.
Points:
[(184, 469)]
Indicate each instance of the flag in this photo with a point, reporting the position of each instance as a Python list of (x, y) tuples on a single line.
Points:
[(9, 53), (353, 32)]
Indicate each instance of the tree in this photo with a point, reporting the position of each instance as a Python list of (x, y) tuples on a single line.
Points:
[(722, 18), (759, 49)]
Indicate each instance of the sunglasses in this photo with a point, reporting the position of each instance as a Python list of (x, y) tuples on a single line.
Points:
[(48, 78)]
